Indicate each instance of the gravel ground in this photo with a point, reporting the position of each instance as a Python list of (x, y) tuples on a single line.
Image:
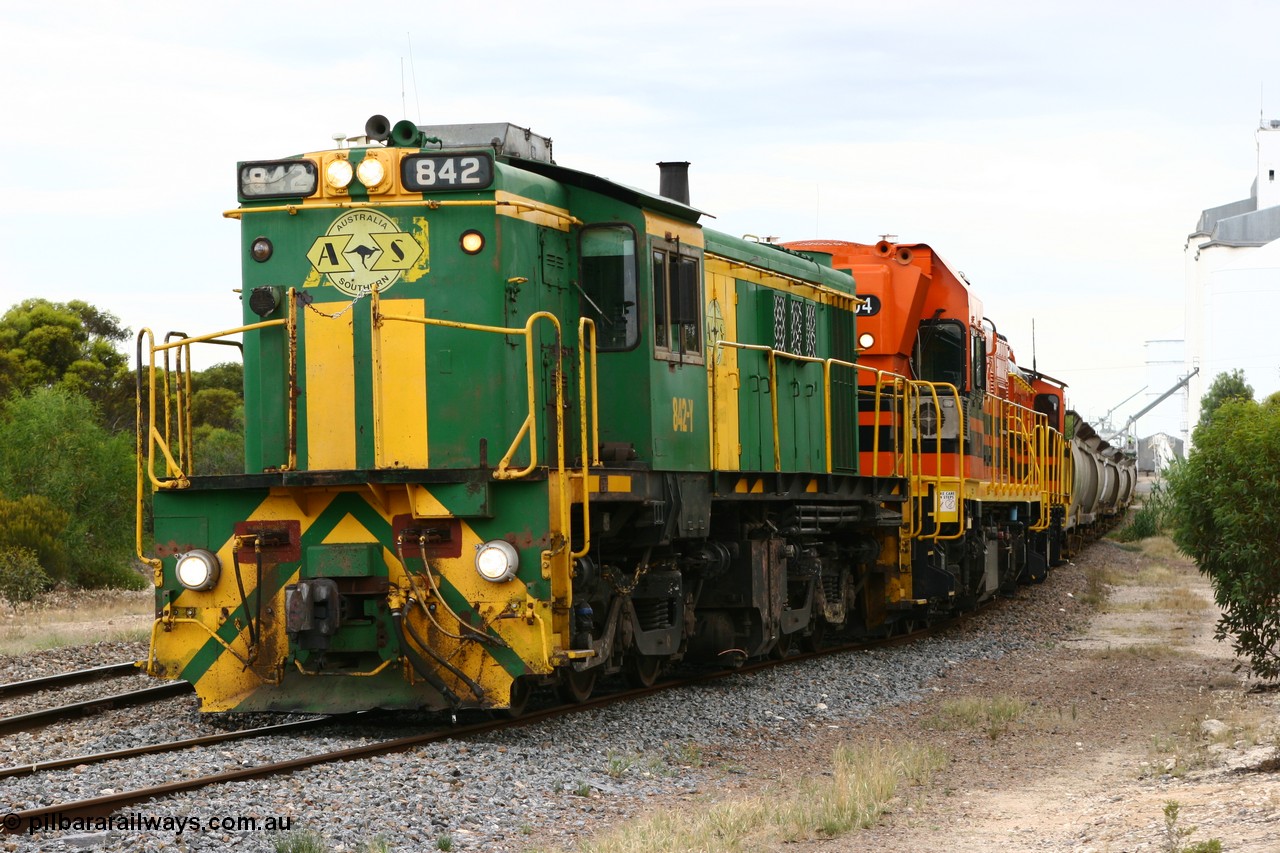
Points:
[(549, 783)]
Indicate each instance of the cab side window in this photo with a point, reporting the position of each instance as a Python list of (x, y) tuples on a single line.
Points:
[(940, 352), (677, 306), (608, 289), (978, 362)]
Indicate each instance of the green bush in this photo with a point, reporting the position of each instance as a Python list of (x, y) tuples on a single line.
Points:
[(218, 451), (36, 524), (1222, 514), (52, 447), (1147, 520), (21, 578)]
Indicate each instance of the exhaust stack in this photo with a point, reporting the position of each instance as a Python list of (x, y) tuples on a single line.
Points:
[(673, 181)]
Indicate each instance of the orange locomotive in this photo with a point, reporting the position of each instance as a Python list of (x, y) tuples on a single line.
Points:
[(991, 478)]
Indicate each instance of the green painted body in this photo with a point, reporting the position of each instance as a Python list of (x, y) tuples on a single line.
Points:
[(653, 406)]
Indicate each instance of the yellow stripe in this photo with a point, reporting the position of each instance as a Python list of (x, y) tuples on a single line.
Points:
[(723, 381), (544, 214), (673, 229), (330, 392), (401, 396)]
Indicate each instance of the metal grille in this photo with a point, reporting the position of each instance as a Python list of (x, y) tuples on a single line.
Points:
[(811, 330), (779, 321), (795, 344)]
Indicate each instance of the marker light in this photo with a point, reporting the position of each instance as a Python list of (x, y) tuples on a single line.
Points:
[(866, 340), (497, 561), (472, 242), (261, 250), (371, 172), (197, 570), (338, 174)]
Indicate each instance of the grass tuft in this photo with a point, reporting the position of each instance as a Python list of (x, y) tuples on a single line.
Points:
[(994, 714), (863, 780)]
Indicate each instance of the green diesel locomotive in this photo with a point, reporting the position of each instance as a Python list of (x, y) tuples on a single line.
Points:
[(513, 425)]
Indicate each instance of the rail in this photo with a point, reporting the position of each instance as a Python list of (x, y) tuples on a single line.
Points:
[(1056, 488), (944, 490), (587, 394), (429, 203), (171, 438), (886, 386)]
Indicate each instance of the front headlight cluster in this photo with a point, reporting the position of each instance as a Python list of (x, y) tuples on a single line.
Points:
[(372, 173)]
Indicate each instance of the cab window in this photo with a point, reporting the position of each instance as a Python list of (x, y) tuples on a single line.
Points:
[(940, 352), (978, 362), (677, 314), (608, 285)]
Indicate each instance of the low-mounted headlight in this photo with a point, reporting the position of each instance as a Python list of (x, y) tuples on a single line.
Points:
[(338, 174), (497, 561), (198, 569), (866, 340), (472, 242)]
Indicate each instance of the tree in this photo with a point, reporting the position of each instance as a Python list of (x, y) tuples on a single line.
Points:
[(1224, 387), (217, 417), (70, 345), (52, 446), (228, 375), (1222, 510)]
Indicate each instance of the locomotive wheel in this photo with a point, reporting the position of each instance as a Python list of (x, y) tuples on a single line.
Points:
[(819, 638), (576, 685), (782, 648), (642, 670), (521, 693)]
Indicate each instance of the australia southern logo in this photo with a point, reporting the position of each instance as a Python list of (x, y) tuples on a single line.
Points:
[(364, 250)]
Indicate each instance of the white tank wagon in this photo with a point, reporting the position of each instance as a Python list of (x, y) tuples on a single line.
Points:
[(1103, 481)]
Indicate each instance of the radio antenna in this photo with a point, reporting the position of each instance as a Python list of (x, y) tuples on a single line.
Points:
[(413, 70), (1033, 346)]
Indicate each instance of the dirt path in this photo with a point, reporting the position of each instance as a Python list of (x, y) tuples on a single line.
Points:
[(1139, 710)]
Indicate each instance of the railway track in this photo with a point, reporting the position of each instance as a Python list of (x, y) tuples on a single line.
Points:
[(67, 679), (102, 806), (158, 748), (33, 720)]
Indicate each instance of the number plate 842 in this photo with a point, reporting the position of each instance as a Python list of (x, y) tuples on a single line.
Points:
[(446, 172)]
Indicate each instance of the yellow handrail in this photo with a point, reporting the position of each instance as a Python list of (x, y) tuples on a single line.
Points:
[(148, 437), (530, 425), (881, 380), (430, 203), (938, 479), (585, 325)]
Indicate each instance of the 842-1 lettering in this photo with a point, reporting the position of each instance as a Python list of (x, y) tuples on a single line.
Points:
[(427, 173)]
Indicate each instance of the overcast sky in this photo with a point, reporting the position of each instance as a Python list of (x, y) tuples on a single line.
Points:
[(1057, 153)]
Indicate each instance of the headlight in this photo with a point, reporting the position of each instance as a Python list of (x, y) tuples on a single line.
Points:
[(371, 172), (197, 569), (472, 242), (497, 561), (338, 174), (866, 340)]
